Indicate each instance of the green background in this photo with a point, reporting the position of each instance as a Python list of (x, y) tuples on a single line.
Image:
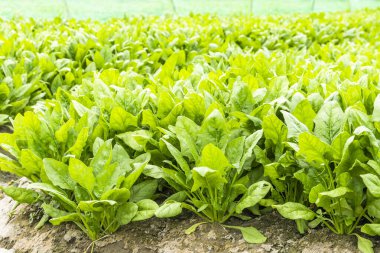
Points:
[(102, 10)]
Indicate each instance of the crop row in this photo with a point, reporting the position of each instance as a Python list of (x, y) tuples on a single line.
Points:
[(143, 117)]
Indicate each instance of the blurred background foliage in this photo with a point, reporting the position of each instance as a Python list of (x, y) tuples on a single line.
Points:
[(102, 10)]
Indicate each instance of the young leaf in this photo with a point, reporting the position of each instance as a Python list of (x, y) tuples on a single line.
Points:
[(169, 209), (95, 205), (329, 122), (304, 112), (80, 143), (143, 190), (313, 149), (179, 158), (120, 119), (376, 109), (295, 211), (250, 234), (20, 195), (371, 229), (373, 184), (274, 129), (364, 245), (131, 179), (137, 140), (58, 173), (295, 127), (212, 157), (82, 174), (119, 195), (126, 212), (146, 209), (205, 177), (54, 192), (67, 218), (191, 229), (254, 194)]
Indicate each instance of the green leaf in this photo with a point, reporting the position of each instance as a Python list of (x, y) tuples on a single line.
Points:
[(279, 85), (54, 192), (250, 234), (20, 195), (329, 122), (235, 151), (364, 245), (165, 104), (30, 162), (153, 171), (131, 179), (102, 157), (169, 209), (58, 173), (304, 112), (313, 149), (80, 143), (99, 60), (143, 190), (62, 133), (119, 195), (95, 205), (214, 158), (148, 119), (373, 184), (137, 140), (214, 130), (120, 119), (146, 209), (352, 152), (254, 194), (52, 211), (126, 212), (249, 146), (336, 193), (325, 198), (179, 158), (241, 98), (110, 76), (374, 208), (205, 177), (108, 178), (295, 127), (4, 118), (187, 131), (72, 217), (82, 174), (295, 211), (274, 129), (314, 192), (191, 229), (371, 229), (178, 196), (376, 109), (338, 145)]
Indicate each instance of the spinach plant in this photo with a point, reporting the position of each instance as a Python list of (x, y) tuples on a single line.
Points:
[(88, 181), (336, 171), (212, 175)]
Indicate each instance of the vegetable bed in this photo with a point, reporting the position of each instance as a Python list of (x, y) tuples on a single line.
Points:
[(228, 118)]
